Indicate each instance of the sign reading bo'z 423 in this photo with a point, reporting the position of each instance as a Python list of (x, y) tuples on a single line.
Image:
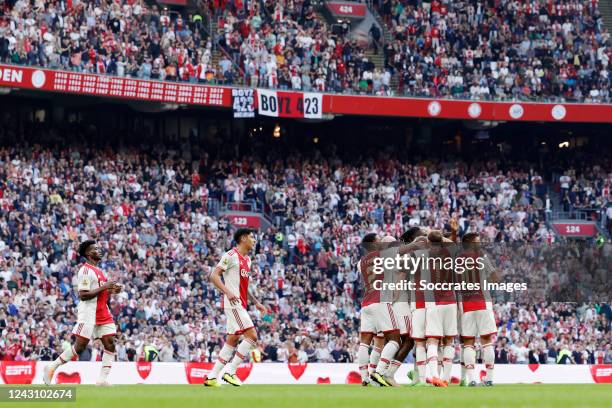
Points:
[(289, 104)]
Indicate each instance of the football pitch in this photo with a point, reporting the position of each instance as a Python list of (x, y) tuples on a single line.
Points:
[(350, 396)]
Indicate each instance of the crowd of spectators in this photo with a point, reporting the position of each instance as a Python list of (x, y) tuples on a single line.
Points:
[(283, 44), (498, 49), (150, 208), (123, 38), (470, 49)]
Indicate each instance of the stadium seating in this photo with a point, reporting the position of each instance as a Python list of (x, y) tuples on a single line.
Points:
[(462, 49), (152, 210)]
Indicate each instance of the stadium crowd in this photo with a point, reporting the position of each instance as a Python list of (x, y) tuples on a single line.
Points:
[(499, 49), (469, 49), (152, 210)]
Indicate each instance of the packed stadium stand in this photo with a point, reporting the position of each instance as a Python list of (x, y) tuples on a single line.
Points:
[(153, 203), (154, 195), (553, 50)]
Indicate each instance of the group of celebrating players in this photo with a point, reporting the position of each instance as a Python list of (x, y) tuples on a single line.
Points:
[(392, 324)]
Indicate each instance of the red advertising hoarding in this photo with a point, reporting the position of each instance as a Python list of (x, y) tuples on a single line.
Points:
[(114, 87), (12, 76)]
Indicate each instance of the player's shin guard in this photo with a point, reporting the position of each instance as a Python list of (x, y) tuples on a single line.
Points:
[(421, 359), (224, 355), (374, 359), (242, 351), (387, 354), (107, 362), (447, 362), (431, 370), (469, 357), (488, 358), (363, 359), (63, 358)]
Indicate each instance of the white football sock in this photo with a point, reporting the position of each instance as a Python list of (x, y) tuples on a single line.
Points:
[(461, 359), (469, 357), (242, 352), (488, 358), (393, 368), (421, 360), (107, 362), (447, 362), (374, 359), (432, 361), (387, 354), (363, 358), (63, 358), (224, 355)]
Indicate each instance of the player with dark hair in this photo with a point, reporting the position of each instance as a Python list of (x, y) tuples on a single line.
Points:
[(94, 319), (231, 277)]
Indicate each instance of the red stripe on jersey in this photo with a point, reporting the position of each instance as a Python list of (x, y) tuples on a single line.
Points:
[(245, 272), (103, 314)]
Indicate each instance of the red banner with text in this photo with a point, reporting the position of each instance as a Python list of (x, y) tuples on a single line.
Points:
[(294, 104)]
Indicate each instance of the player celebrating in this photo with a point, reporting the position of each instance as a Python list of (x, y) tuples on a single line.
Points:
[(235, 267), (94, 319), (476, 311), (376, 316), (440, 314), (417, 307)]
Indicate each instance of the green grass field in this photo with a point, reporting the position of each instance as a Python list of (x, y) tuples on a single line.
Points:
[(335, 396)]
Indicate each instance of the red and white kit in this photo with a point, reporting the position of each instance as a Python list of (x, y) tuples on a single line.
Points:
[(417, 302), (440, 305), (236, 272), (475, 306), (376, 315), (401, 303), (94, 319)]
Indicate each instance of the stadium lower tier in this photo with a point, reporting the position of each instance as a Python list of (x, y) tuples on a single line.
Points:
[(31, 372)]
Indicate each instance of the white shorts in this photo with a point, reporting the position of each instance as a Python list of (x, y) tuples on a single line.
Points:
[(441, 321), (477, 323), (402, 314), (237, 320), (417, 328), (378, 317), (94, 331)]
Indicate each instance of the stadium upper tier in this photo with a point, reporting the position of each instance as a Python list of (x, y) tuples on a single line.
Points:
[(451, 49)]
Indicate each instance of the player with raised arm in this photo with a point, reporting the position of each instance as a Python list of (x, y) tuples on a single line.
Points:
[(231, 277), (476, 310), (94, 319), (376, 316)]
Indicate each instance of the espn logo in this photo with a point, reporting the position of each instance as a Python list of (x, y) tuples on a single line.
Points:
[(603, 372), (198, 372), (18, 370)]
